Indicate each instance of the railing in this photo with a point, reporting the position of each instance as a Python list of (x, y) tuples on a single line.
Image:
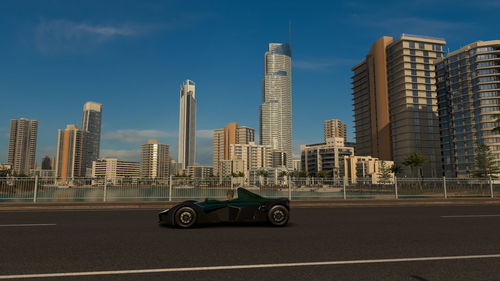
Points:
[(37, 189)]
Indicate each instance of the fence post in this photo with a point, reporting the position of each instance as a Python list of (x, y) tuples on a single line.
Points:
[(289, 187), (444, 187), (105, 189), (396, 187), (491, 188), (170, 189), (35, 191), (344, 186)]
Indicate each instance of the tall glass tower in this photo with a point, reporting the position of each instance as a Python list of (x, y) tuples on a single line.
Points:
[(276, 107), (187, 124), (91, 123)]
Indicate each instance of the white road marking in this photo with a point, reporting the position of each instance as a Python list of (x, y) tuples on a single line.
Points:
[(247, 266), (471, 216), (28, 224)]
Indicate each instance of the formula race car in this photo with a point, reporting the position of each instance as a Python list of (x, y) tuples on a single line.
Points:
[(247, 207)]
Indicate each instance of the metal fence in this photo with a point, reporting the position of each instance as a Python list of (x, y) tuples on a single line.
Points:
[(37, 189)]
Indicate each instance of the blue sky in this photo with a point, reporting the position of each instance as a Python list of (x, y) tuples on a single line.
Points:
[(132, 56)]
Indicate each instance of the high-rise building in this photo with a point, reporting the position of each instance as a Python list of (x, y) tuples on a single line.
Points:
[(48, 163), (335, 128), (251, 156), (22, 145), (395, 105), (155, 160), (114, 170), (70, 154), (276, 107), (91, 123), (468, 92), (223, 138), (187, 124)]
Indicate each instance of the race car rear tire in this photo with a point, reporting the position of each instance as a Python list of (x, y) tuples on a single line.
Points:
[(278, 215), (185, 217)]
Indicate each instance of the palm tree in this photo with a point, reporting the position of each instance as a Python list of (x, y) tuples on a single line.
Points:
[(262, 174), (415, 160), (395, 169), (497, 121)]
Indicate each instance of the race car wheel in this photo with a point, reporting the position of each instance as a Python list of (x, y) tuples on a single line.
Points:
[(185, 217), (278, 215)]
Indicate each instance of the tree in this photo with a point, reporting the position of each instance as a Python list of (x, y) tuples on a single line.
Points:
[(302, 174), (283, 173), (321, 174), (497, 121), (384, 172), (5, 173), (484, 161), (415, 160), (396, 169)]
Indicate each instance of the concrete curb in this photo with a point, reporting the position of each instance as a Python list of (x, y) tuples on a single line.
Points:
[(295, 203)]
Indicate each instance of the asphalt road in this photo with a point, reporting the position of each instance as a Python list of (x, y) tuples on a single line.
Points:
[(107, 240)]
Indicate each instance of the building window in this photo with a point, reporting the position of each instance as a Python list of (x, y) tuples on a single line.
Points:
[(412, 44), (415, 100), (415, 93), (421, 45)]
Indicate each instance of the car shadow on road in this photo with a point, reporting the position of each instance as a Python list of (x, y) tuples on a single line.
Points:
[(232, 225)]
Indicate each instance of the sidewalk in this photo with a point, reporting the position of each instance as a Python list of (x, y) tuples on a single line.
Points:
[(295, 203)]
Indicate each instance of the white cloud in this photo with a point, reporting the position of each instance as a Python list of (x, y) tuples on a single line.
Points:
[(127, 155), (205, 134), (64, 36), (136, 136)]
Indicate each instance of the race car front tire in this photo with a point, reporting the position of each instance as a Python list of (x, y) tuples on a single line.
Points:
[(185, 217)]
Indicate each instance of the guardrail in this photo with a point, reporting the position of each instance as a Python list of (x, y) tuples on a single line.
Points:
[(37, 189)]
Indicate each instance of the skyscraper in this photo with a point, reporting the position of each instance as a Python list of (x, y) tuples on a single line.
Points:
[(48, 163), (155, 161), (276, 107), (335, 128), (70, 154), (395, 105), (468, 91), (223, 138), (187, 124), (91, 123), (22, 145)]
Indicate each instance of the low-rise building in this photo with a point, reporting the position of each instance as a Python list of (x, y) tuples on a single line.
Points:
[(326, 157), (367, 169), (200, 172), (115, 170)]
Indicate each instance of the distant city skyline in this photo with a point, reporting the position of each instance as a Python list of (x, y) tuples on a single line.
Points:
[(133, 59)]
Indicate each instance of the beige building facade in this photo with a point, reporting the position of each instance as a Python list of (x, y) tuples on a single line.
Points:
[(395, 102), (250, 156), (114, 170), (335, 128), (70, 159), (366, 169), (224, 138), (155, 160)]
